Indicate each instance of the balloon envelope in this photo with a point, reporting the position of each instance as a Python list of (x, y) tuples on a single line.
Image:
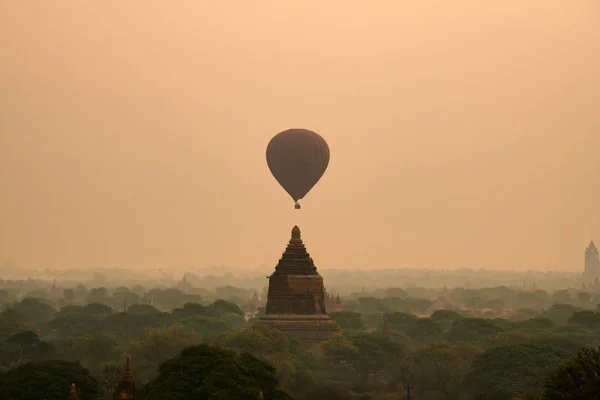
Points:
[(297, 159)]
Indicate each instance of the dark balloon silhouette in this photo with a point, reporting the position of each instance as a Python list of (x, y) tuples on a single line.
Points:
[(297, 158)]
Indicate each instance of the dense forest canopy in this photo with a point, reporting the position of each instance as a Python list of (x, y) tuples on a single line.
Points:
[(403, 334)]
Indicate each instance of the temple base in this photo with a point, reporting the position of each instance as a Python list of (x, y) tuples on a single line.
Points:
[(306, 329)]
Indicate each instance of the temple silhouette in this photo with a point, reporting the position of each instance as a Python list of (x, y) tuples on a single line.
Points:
[(126, 387), (591, 270), (297, 300)]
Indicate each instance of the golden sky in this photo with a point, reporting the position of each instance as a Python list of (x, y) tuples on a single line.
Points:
[(462, 133)]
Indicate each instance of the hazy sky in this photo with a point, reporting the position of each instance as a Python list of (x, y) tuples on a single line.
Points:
[(462, 133)]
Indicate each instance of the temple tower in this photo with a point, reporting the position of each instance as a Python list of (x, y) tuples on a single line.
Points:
[(592, 263), (125, 388), (296, 298)]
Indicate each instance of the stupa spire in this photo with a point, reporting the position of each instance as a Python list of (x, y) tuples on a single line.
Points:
[(295, 258), (73, 394), (127, 375), (296, 234), (126, 387)]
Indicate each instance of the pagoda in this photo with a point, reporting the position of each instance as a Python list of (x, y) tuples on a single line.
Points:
[(296, 302), (125, 388), (73, 394), (592, 263)]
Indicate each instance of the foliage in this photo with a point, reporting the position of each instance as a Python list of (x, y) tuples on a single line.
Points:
[(507, 371), (576, 378), (50, 380), (205, 372)]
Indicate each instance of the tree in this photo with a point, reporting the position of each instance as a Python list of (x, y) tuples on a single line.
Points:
[(98, 295), (111, 374), (559, 313), (445, 315), (443, 366), (210, 373), (425, 330), (576, 378), (72, 324), (156, 345), (92, 350), (69, 295), (49, 380), (24, 347), (590, 319), (400, 321), (395, 292), (504, 372), (445, 318), (370, 358), (348, 320), (35, 310), (405, 370), (270, 345), (220, 307), (143, 309), (338, 353), (473, 329), (536, 325), (191, 309)]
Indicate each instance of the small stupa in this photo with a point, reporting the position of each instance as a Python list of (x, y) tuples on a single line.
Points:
[(125, 388), (296, 297), (73, 394)]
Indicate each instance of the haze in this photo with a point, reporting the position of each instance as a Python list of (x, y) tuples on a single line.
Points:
[(462, 134)]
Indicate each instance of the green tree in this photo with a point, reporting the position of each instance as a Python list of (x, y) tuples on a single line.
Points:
[(473, 329), (559, 313), (91, 350), (143, 309), (49, 380), (156, 345), (348, 320), (504, 372), (205, 372), (577, 378), (25, 347), (590, 319), (111, 374), (443, 367), (270, 345), (425, 330), (98, 295), (338, 354), (35, 310), (401, 321)]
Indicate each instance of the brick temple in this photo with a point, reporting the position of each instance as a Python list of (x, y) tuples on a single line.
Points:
[(126, 387), (296, 300)]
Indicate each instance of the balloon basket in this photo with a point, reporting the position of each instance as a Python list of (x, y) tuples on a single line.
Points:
[(297, 206)]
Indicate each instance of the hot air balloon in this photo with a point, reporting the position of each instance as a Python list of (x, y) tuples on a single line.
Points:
[(297, 159)]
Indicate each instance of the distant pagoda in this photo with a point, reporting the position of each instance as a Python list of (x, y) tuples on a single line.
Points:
[(125, 388), (592, 263), (296, 302)]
